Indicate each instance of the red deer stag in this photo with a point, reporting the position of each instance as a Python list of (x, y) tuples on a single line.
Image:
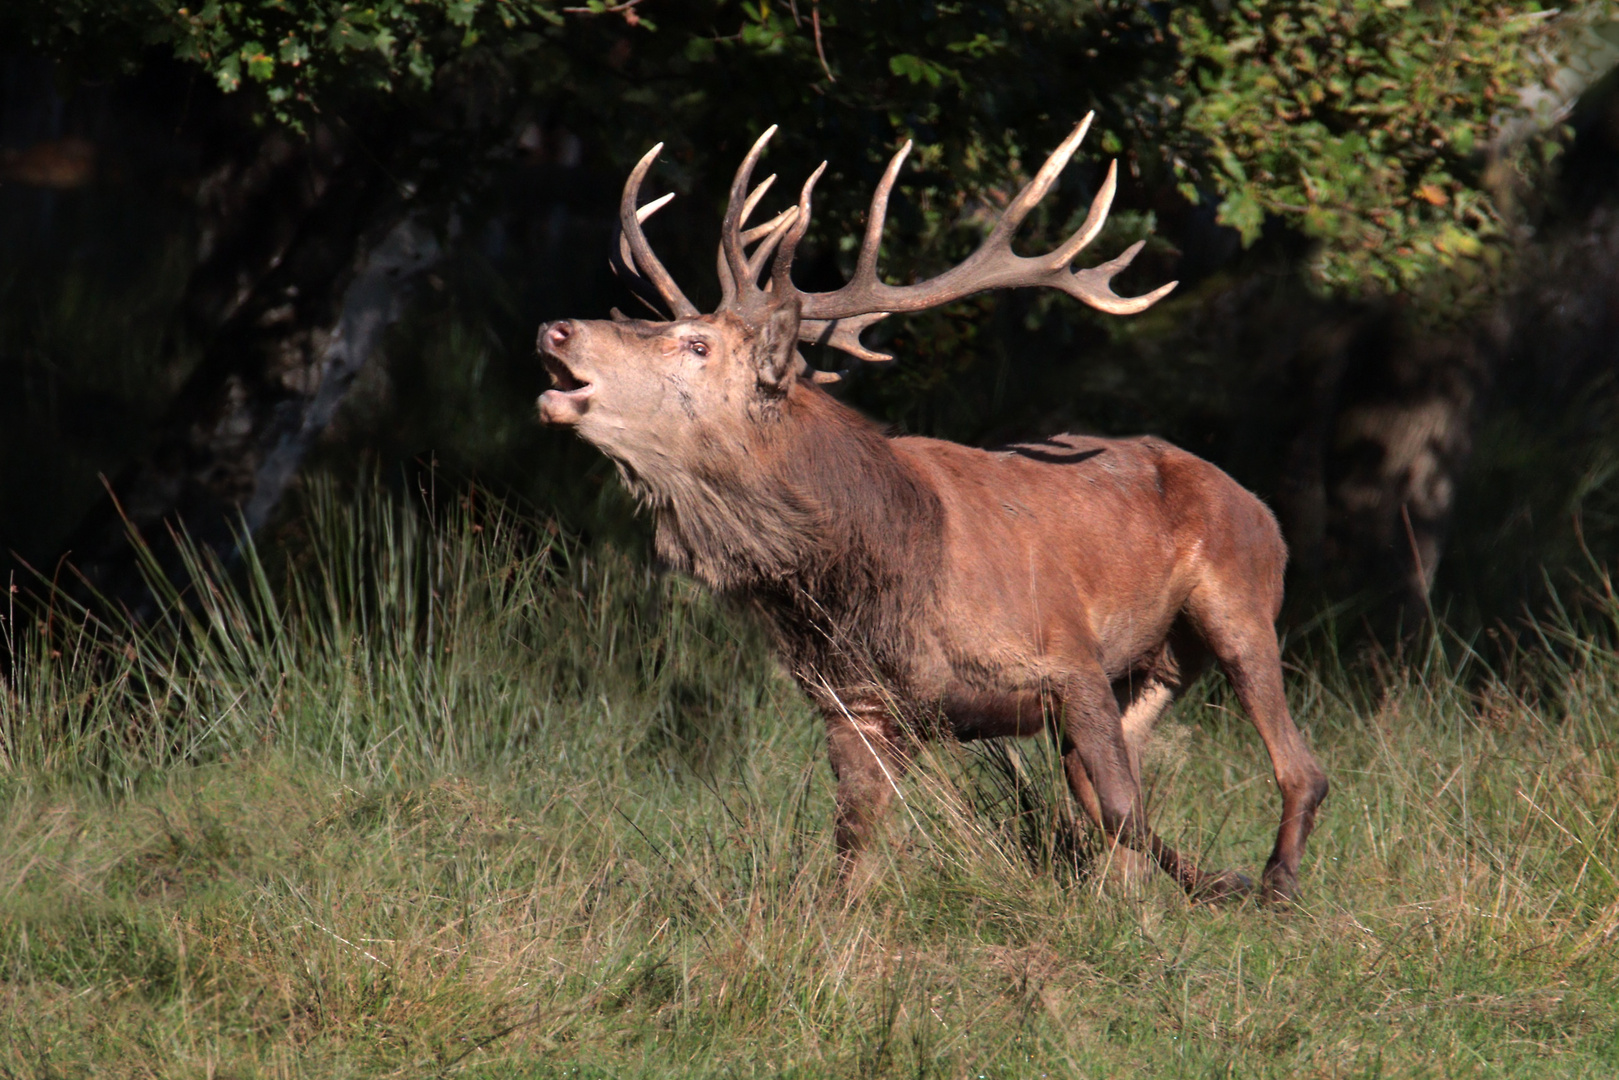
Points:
[(916, 586)]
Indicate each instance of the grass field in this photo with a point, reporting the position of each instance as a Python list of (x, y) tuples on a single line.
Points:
[(456, 798)]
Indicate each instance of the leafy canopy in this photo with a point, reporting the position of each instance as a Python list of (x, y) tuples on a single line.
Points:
[(1380, 128), (1391, 133), (296, 52)]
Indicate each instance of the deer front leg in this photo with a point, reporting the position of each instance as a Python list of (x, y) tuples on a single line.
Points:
[(869, 755), (1103, 777), (1146, 705)]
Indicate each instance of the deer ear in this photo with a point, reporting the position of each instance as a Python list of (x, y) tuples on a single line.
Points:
[(775, 348)]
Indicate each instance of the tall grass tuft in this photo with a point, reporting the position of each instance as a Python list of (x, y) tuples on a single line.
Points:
[(391, 644)]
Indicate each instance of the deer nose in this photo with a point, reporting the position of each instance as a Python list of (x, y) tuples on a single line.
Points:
[(556, 334)]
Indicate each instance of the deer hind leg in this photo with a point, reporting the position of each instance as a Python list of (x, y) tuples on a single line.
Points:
[(869, 754), (1104, 775), (1244, 642)]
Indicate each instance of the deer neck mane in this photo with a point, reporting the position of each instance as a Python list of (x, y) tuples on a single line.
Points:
[(810, 498)]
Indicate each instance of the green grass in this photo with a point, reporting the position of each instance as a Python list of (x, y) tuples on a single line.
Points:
[(455, 797)]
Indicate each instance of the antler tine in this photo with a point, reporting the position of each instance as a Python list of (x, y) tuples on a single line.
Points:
[(781, 278), (841, 334), (624, 265), (727, 279), (734, 261), (753, 198), (625, 255), (1093, 285), (653, 207), (1093, 220), (640, 265), (723, 266), (1036, 189), (761, 231), (758, 232), (866, 268), (844, 334), (773, 232)]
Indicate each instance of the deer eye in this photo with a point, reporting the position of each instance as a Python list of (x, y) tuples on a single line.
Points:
[(698, 347)]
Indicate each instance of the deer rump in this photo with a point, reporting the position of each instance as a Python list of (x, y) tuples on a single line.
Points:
[(1077, 583)]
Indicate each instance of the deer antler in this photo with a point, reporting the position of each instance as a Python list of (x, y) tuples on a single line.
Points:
[(738, 270), (631, 256), (837, 318)]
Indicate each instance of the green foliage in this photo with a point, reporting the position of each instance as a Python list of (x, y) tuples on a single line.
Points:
[(297, 48), (1392, 134), (299, 52), (1398, 138), (1376, 127)]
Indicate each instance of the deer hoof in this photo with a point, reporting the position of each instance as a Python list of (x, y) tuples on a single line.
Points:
[(1217, 888), (1280, 886)]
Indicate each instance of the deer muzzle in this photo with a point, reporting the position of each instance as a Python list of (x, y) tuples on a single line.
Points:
[(570, 393)]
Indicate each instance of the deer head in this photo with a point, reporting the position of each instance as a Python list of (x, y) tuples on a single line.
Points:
[(679, 390)]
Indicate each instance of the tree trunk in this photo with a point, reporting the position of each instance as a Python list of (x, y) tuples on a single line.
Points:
[(1402, 438), (1384, 432)]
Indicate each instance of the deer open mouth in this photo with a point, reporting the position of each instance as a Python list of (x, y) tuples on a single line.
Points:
[(569, 395)]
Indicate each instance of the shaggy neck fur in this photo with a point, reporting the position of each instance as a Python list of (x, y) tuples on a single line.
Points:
[(809, 515)]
